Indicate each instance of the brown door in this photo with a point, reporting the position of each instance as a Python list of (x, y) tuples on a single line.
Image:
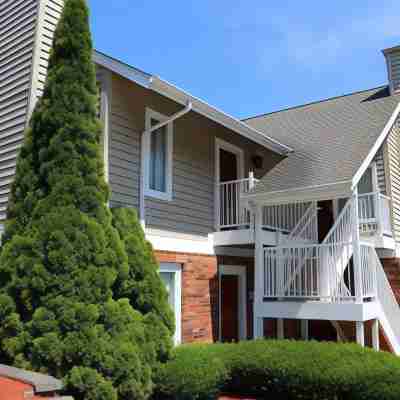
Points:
[(228, 166), (229, 308)]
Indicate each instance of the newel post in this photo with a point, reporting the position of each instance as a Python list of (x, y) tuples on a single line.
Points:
[(356, 248)]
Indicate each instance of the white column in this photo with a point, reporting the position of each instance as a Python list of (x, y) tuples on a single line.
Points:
[(360, 333), (356, 248), (375, 334), (280, 328), (258, 273), (304, 329), (258, 328)]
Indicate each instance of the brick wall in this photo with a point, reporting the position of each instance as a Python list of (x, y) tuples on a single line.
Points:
[(199, 295)]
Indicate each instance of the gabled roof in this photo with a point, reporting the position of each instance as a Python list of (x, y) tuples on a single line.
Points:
[(331, 140), (166, 89)]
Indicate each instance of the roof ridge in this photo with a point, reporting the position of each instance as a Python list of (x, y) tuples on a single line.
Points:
[(314, 102)]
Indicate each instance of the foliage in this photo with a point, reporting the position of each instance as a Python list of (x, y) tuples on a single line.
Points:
[(76, 299), (279, 370)]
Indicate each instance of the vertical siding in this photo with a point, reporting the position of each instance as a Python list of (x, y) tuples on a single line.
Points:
[(18, 19), (393, 176), (394, 68)]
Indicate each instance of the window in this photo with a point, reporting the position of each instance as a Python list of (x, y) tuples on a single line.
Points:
[(158, 157), (171, 276)]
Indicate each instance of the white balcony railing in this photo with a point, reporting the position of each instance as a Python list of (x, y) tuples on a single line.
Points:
[(374, 213), (318, 272), (233, 212)]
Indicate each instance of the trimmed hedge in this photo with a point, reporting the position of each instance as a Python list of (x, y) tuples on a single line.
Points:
[(279, 370)]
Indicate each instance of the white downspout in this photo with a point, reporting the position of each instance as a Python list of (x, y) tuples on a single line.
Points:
[(142, 205)]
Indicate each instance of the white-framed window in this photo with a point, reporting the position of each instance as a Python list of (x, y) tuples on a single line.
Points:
[(171, 275), (158, 147)]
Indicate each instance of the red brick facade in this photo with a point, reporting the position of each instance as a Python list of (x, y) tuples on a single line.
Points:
[(200, 293)]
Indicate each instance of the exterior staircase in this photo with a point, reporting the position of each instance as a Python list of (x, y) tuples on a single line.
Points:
[(340, 270)]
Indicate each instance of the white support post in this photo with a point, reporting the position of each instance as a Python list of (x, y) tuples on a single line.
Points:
[(305, 329), (379, 214), (356, 249), (258, 272), (360, 333), (375, 334), (280, 328)]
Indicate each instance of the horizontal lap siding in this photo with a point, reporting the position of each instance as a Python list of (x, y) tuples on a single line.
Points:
[(18, 19), (393, 166), (124, 147), (191, 210)]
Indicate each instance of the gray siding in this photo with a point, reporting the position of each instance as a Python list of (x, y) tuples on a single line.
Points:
[(18, 19), (191, 210), (394, 69), (124, 146), (26, 34), (392, 159)]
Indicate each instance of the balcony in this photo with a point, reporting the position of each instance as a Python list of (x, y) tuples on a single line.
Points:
[(374, 214), (235, 219)]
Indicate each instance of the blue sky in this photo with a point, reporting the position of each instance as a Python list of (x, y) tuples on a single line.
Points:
[(255, 56)]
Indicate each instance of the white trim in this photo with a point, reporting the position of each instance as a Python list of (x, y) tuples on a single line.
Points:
[(176, 269), (180, 96), (122, 69), (180, 243), (167, 195), (105, 112), (162, 240), (34, 76), (382, 137), (240, 271)]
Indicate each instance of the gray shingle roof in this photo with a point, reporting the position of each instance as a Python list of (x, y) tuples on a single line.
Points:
[(330, 138)]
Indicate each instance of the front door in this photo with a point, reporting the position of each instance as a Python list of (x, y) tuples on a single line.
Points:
[(229, 308)]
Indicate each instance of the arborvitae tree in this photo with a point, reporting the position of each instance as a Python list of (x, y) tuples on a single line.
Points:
[(77, 293)]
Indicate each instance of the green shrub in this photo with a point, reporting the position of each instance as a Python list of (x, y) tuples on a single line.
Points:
[(279, 370)]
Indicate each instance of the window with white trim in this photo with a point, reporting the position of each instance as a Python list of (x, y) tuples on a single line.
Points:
[(158, 146), (171, 275)]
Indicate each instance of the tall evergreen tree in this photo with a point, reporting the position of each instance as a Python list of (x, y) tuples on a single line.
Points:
[(80, 297)]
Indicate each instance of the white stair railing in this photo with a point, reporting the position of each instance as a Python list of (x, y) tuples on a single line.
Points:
[(317, 272), (283, 217), (390, 311), (307, 227)]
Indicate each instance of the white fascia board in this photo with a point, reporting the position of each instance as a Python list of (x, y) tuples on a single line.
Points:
[(180, 96), (381, 138), (120, 68), (302, 194)]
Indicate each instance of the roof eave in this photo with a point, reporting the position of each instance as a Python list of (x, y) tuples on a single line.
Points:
[(381, 138), (328, 191), (172, 92)]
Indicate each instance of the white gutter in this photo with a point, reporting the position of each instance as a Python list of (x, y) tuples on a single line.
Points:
[(172, 118)]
